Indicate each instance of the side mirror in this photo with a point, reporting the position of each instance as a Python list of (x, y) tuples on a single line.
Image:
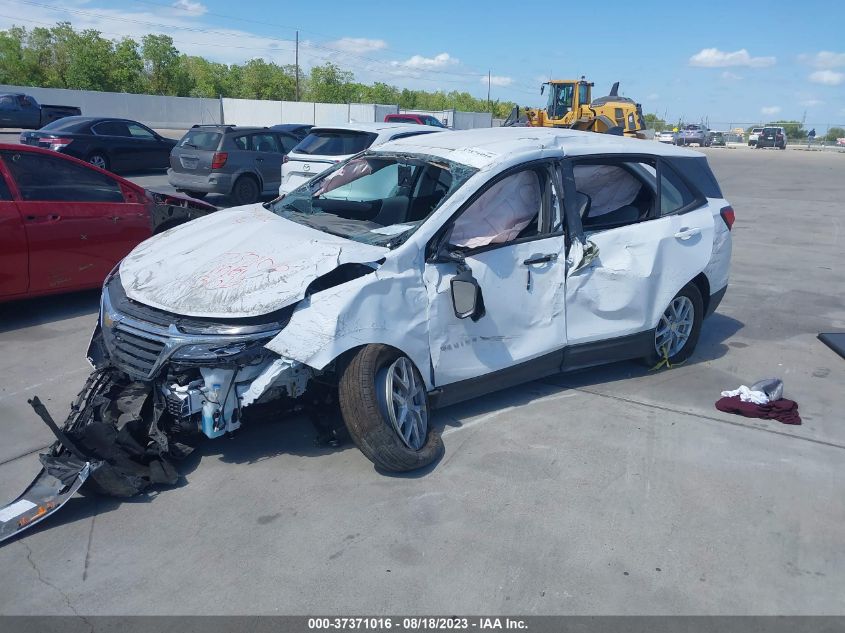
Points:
[(466, 296)]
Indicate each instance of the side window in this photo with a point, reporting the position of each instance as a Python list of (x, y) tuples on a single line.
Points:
[(509, 209), (8, 103), (140, 132), (5, 194), (265, 143), (674, 194), (617, 192), (241, 142), (287, 142), (111, 128), (45, 178)]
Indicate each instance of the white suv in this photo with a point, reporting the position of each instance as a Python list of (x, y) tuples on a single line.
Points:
[(326, 146), (426, 271)]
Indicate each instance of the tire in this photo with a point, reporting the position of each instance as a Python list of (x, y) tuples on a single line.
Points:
[(362, 393), (245, 190), (99, 159), (692, 295)]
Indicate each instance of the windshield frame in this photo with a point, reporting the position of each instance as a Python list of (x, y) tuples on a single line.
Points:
[(283, 205)]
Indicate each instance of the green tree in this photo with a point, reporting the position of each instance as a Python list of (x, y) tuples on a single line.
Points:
[(162, 65), (263, 80), (89, 65), (654, 122), (329, 84), (834, 133), (127, 67)]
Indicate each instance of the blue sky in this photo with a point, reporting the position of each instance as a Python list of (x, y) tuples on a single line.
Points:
[(729, 62)]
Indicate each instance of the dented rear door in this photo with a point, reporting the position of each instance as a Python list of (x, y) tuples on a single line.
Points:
[(641, 266)]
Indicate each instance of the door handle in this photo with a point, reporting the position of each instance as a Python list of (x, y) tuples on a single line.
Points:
[(685, 234), (53, 217), (540, 259)]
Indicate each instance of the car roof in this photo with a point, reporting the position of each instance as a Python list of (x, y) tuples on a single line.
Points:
[(284, 127), (486, 147), (384, 126), (220, 127)]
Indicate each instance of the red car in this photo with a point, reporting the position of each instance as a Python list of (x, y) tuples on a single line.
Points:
[(419, 119), (64, 223)]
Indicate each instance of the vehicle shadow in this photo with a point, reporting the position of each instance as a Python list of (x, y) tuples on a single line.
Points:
[(23, 313)]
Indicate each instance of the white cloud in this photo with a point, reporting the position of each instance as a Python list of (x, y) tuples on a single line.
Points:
[(497, 80), (357, 45), (426, 63), (714, 58), (809, 103), (770, 110), (188, 6), (827, 77), (729, 76), (824, 59)]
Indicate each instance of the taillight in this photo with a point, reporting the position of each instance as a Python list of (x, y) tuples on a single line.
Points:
[(219, 159), (55, 143), (728, 216)]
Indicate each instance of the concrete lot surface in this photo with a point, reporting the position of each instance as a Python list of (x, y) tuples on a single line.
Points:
[(611, 491)]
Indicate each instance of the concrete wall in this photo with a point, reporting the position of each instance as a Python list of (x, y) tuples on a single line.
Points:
[(183, 112), (152, 110)]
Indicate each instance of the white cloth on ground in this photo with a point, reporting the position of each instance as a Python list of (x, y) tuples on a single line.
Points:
[(747, 395)]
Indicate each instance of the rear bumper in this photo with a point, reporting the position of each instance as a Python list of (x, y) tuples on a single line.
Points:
[(208, 183), (292, 181)]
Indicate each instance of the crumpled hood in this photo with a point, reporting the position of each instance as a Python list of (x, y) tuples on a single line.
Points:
[(242, 262)]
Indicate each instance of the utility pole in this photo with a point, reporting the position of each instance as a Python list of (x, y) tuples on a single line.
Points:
[(488, 90), (297, 65)]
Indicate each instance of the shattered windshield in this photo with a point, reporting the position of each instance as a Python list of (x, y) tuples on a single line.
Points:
[(375, 198)]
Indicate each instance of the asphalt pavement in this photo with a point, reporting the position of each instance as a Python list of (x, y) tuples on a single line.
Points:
[(615, 490)]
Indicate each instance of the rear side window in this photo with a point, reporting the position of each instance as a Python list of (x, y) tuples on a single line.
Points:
[(241, 142), (111, 128), (674, 194), (618, 193), (201, 139), (45, 178), (335, 142), (265, 143)]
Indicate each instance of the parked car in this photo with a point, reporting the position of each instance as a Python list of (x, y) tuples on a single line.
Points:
[(242, 162), (418, 119), (23, 111), (694, 133), (299, 130), (717, 139), (666, 136), (327, 146), (422, 272), (117, 145), (67, 223), (753, 136), (772, 137)]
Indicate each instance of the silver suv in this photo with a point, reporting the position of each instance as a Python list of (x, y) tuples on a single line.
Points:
[(243, 162)]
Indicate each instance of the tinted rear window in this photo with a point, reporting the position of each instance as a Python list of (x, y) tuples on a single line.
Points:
[(201, 139), (335, 143)]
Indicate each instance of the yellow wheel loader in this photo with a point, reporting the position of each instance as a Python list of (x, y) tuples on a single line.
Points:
[(570, 105)]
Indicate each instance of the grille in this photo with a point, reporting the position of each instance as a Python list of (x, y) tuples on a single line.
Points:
[(135, 351)]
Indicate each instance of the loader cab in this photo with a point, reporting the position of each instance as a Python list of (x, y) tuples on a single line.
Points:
[(565, 97)]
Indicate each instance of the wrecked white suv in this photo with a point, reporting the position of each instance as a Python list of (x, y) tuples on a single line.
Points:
[(430, 270)]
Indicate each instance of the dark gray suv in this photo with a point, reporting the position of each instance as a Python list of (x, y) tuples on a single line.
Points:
[(243, 162)]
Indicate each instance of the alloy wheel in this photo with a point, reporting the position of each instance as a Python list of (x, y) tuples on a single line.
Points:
[(405, 403), (675, 327)]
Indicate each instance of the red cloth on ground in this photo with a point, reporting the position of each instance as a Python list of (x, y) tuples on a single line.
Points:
[(783, 410)]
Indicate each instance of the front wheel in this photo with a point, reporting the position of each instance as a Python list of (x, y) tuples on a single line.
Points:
[(386, 410), (677, 332)]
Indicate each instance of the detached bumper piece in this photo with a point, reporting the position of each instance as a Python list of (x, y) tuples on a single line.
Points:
[(111, 442), (55, 484)]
